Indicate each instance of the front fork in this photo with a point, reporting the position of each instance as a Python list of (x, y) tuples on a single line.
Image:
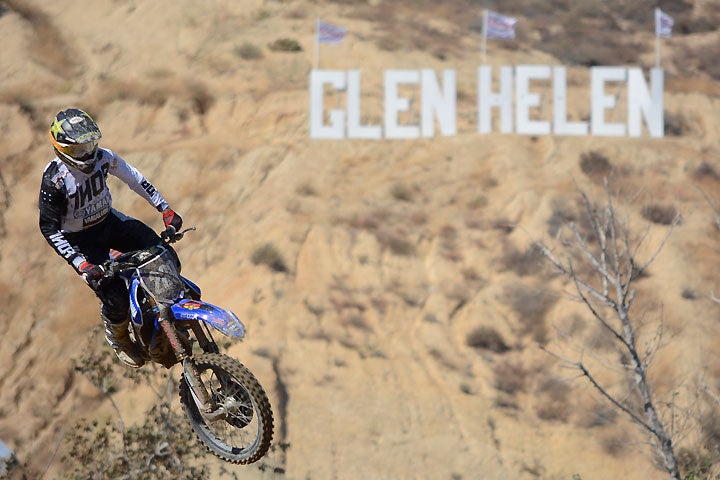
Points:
[(190, 372)]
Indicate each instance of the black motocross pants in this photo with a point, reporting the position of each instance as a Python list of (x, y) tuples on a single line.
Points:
[(119, 232)]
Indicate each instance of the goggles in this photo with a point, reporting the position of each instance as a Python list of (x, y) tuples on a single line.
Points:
[(79, 151)]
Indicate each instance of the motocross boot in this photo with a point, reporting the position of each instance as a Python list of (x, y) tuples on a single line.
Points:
[(118, 337)]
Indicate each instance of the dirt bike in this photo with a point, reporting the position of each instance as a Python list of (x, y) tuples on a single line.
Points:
[(224, 403)]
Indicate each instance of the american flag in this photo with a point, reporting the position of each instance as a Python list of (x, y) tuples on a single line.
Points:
[(500, 26), (663, 23), (328, 33)]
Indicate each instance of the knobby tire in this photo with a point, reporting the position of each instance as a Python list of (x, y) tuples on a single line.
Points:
[(253, 391)]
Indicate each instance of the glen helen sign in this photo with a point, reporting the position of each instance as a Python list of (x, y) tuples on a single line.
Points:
[(514, 102)]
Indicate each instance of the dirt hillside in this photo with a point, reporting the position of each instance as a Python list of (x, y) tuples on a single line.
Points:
[(402, 257)]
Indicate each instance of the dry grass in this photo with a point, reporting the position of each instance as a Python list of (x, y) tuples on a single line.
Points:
[(553, 400), (617, 444), (710, 430), (599, 414), (155, 93), (529, 262), (396, 240), (449, 244), (531, 305), (700, 58), (399, 28), (343, 297), (391, 231), (357, 321), (510, 377)]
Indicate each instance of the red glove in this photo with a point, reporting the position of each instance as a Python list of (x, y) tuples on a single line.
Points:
[(91, 273), (170, 218)]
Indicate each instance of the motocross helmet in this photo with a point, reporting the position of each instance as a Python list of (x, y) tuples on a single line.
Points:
[(75, 135)]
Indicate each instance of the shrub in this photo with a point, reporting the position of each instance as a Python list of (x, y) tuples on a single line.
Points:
[(306, 189), (660, 214), (486, 338), (269, 255), (285, 45), (395, 240), (694, 465), (402, 192), (249, 51), (201, 98), (595, 165), (160, 445), (706, 170), (676, 124)]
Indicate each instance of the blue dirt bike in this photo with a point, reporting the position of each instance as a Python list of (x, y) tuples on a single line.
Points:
[(224, 403)]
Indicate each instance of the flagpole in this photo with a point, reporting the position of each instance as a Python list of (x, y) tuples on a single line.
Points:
[(657, 38), (484, 39), (317, 43)]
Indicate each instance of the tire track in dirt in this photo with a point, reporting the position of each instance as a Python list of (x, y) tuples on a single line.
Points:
[(48, 46)]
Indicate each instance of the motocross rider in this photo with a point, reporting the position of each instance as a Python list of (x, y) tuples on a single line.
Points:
[(78, 221)]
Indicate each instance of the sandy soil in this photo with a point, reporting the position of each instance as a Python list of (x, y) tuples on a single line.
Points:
[(397, 251)]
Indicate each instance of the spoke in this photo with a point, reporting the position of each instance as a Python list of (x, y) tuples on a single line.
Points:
[(238, 430)]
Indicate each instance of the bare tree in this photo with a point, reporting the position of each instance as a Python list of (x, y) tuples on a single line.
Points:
[(610, 252)]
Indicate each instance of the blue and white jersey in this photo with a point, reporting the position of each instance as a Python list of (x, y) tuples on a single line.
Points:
[(72, 201)]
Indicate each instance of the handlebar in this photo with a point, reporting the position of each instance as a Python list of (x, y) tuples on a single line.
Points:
[(170, 235)]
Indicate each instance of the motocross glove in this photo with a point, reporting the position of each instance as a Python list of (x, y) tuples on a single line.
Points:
[(91, 273), (170, 218)]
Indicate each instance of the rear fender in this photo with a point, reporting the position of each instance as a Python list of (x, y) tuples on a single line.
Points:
[(220, 319)]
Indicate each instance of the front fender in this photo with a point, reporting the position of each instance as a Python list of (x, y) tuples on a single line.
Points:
[(220, 319)]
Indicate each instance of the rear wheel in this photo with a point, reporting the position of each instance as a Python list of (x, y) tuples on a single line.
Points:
[(240, 427)]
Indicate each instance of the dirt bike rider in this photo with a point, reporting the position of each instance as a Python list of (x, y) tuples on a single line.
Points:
[(78, 221)]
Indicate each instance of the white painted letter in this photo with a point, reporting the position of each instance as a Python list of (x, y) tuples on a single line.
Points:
[(318, 79), (525, 99), (395, 104), (355, 129), (435, 101), (602, 102), (487, 99), (560, 124), (640, 100)]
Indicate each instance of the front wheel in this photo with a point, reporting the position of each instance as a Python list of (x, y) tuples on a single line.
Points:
[(240, 427)]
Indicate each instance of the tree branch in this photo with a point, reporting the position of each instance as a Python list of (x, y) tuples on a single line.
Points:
[(613, 400)]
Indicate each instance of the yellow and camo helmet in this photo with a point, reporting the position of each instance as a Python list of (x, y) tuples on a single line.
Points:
[(75, 136)]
